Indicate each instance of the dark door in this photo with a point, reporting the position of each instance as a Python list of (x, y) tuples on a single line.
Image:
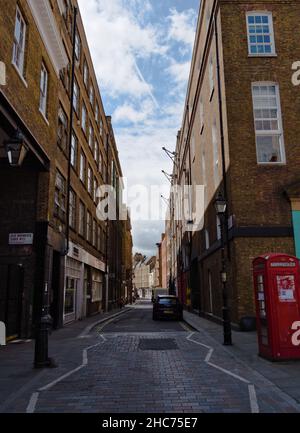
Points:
[(11, 291)]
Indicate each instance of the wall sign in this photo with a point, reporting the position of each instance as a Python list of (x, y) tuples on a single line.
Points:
[(20, 239)]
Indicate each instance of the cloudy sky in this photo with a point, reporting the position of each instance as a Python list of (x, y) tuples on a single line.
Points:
[(141, 51)]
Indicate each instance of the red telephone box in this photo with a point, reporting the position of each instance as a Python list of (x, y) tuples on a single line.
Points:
[(277, 298)]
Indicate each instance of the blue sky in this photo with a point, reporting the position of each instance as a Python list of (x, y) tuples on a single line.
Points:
[(141, 51)]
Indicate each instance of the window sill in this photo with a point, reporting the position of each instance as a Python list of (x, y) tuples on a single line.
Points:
[(263, 55), (20, 75), (44, 117), (270, 164)]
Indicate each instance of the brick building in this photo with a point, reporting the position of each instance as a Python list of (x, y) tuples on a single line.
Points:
[(47, 246), (239, 135)]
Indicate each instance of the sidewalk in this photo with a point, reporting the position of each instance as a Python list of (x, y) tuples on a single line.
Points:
[(18, 378), (285, 376)]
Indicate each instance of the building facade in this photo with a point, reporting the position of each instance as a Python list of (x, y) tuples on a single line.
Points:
[(239, 136), (55, 152)]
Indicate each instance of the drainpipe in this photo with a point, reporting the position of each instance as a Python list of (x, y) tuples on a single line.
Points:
[(66, 251), (107, 230)]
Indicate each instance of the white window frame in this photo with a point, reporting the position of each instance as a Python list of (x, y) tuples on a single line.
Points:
[(90, 180), (97, 112), (76, 94), (82, 170), (91, 137), (92, 95), (95, 190), (86, 74), (96, 152), (272, 43), (279, 132), (84, 117), (74, 146), (19, 45), (44, 90), (77, 46)]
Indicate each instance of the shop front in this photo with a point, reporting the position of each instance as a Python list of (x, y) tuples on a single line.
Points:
[(84, 284)]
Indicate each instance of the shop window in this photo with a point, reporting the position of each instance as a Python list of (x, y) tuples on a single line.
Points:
[(97, 286)]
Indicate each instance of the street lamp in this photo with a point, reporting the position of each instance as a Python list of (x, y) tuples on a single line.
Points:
[(221, 206), (16, 149)]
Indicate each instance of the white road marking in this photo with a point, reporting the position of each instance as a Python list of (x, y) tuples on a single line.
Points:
[(251, 388), (253, 399), (32, 402), (35, 396)]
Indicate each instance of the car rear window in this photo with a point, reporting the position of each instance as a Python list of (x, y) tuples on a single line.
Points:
[(167, 301)]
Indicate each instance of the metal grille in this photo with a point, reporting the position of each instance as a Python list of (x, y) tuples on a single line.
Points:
[(158, 344)]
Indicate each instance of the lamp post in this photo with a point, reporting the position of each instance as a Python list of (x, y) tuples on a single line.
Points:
[(16, 149), (220, 206)]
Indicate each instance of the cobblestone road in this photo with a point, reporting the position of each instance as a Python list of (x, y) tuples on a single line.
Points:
[(135, 365)]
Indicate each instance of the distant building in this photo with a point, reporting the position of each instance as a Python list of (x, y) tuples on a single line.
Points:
[(143, 276)]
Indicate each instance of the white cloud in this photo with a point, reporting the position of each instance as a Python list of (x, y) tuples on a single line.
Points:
[(182, 26), (128, 113), (116, 39), (123, 43), (180, 71)]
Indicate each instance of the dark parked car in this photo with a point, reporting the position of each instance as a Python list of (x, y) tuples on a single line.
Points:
[(167, 306)]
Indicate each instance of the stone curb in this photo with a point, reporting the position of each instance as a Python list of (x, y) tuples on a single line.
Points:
[(89, 328)]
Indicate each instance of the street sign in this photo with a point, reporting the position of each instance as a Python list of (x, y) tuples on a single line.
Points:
[(20, 238)]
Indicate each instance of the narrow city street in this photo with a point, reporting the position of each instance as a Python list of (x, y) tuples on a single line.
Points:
[(131, 364)]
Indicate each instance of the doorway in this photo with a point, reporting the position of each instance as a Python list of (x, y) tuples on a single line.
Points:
[(11, 293)]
